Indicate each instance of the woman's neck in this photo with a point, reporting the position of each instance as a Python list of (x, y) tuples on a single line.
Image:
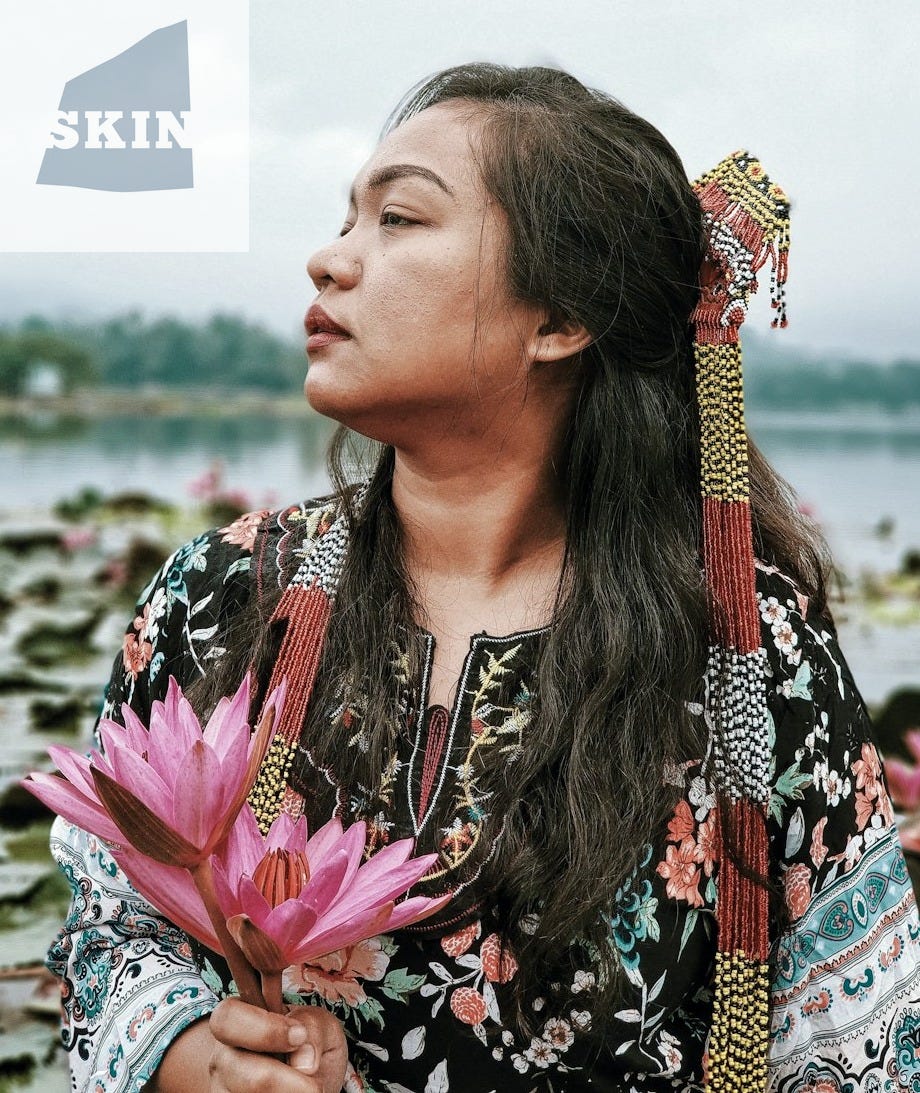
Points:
[(483, 524), (483, 550)]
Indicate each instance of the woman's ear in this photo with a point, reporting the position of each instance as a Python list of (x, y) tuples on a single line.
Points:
[(559, 337)]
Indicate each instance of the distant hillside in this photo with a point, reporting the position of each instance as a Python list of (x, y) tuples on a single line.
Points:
[(128, 350), (790, 379), (226, 352)]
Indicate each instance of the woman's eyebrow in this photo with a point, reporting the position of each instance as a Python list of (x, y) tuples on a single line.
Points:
[(383, 175)]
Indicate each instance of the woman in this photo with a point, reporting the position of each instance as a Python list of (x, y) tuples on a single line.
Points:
[(514, 671)]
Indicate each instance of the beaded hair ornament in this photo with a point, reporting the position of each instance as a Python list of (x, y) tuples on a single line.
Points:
[(747, 221)]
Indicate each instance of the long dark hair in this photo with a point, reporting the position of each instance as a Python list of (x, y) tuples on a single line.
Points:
[(604, 229)]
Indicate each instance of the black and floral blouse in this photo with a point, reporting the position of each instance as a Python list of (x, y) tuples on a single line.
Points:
[(427, 1014)]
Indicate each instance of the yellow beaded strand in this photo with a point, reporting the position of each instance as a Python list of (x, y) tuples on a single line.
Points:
[(268, 791), (723, 436), (740, 1025)]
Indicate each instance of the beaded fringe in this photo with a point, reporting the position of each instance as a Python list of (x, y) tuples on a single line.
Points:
[(305, 611), (747, 219), (740, 1020)]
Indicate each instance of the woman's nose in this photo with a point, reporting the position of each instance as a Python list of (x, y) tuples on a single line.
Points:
[(334, 262)]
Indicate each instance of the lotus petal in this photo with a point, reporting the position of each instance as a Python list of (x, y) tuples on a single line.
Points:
[(75, 768), (287, 833), (193, 805), (233, 764), (225, 889), (67, 801), (392, 855), (143, 783), (180, 711), (366, 923), (324, 885), (171, 891), (244, 847), (98, 761), (175, 718), (142, 828), (138, 736), (259, 948), (261, 740), (389, 885), (113, 735), (230, 719), (319, 843), (251, 902), (390, 858), (352, 845), (415, 910), (166, 751), (290, 922)]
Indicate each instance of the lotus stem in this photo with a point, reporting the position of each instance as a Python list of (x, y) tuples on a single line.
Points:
[(242, 971), (271, 990)]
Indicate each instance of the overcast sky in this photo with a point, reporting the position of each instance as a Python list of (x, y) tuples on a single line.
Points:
[(827, 95)]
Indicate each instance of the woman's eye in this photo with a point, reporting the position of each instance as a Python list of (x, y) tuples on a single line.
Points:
[(389, 217)]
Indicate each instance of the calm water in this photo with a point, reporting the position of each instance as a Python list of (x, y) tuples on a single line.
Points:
[(851, 472)]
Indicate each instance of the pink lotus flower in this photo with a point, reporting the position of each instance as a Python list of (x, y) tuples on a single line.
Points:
[(171, 801), (286, 900), (289, 900), (166, 799), (903, 778), (172, 792)]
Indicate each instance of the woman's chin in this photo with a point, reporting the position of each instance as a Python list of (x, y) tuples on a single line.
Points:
[(323, 397), (330, 400)]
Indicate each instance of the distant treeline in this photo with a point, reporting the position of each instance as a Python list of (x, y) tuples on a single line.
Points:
[(785, 380), (226, 352), (128, 351)]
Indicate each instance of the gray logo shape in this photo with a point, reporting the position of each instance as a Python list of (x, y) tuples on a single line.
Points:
[(147, 87)]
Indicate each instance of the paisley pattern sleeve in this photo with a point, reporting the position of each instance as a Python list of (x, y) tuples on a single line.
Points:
[(130, 984), (845, 996)]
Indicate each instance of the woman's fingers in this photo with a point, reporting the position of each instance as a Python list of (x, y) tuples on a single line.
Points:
[(239, 1025), (235, 1071), (310, 1037), (325, 1052)]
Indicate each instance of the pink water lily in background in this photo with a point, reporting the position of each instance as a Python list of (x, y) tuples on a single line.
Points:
[(904, 778), (173, 791), (289, 899)]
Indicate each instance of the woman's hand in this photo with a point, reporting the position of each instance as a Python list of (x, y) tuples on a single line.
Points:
[(247, 1038)]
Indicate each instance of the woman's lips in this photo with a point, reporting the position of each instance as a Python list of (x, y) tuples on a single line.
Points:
[(322, 329), (323, 338)]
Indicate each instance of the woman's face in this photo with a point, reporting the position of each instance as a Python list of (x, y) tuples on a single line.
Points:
[(416, 279)]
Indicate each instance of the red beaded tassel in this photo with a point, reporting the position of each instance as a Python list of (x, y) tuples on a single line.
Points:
[(306, 612), (744, 214)]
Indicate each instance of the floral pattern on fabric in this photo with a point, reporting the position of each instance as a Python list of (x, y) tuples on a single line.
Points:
[(847, 984), (426, 1013)]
